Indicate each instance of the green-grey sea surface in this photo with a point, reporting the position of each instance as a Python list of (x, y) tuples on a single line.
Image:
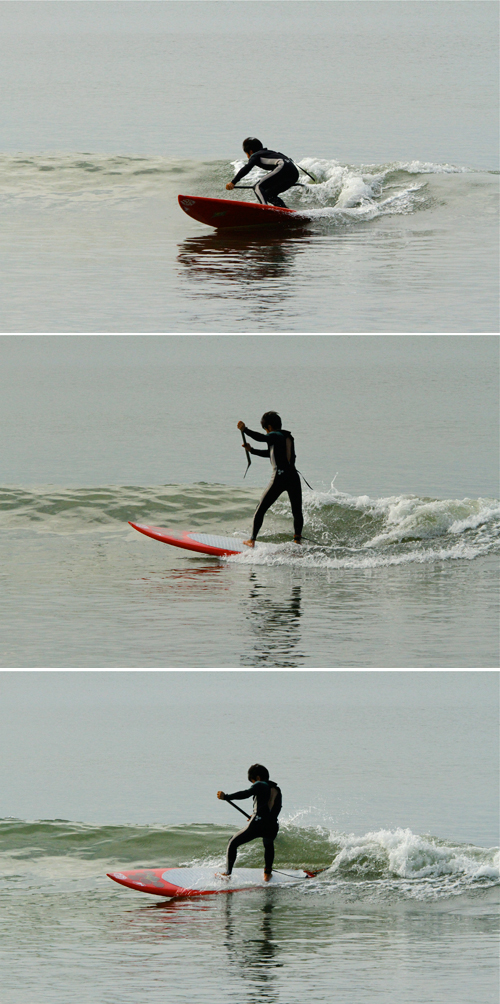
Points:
[(114, 109), (397, 437), (389, 785)]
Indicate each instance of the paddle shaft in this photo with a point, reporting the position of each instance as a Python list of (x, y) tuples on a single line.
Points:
[(245, 474), (243, 813), (311, 176), (298, 184)]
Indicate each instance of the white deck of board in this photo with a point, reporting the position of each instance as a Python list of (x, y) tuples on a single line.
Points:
[(241, 878), (211, 540)]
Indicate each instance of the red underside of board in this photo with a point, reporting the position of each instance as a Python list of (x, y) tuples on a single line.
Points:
[(152, 881), (222, 213), (180, 540)]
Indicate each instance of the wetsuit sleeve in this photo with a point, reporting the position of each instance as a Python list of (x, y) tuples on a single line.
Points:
[(259, 436), (261, 439), (246, 168), (241, 794)]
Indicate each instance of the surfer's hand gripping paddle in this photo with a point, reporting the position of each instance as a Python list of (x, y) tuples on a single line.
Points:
[(249, 459)]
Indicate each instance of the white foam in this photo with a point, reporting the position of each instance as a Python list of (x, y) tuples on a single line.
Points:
[(410, 516), (284, 556), (406, 529), (426, 167), (484, 515), (345, 193), (407, 855)]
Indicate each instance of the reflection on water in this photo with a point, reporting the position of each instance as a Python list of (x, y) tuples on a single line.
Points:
[(254, 955), (275, 636), (188, 580), (242, 260)]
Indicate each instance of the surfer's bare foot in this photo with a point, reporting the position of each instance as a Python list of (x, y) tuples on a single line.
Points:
[(222, 875), (297, 539), (249, 543), (267, 876)]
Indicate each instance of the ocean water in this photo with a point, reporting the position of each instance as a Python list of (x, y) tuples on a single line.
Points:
[(389, 783), (395, 581), (397, 437), (391, 106)]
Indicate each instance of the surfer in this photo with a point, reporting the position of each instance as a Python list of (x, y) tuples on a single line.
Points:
[(286, 478), (262, 823), (282, 172)]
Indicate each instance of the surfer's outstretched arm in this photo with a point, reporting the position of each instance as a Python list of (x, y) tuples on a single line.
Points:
[(257, 453), (259, 436), (253, 159), (248, 793)]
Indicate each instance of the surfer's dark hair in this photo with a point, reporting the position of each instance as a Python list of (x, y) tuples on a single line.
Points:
[(271, 418), (252, 144), (257, 770)]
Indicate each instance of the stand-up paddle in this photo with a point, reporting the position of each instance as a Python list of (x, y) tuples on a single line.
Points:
[(249, 461)]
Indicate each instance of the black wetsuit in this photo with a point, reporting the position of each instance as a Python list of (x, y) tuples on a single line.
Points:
[(283, 174), (262, 823), (286, 478)]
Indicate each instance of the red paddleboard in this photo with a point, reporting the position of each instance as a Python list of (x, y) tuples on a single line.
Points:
[(229, 213), (201, 881), (206, 543)]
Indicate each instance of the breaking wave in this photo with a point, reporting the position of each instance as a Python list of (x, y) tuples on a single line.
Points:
[(375, 864), (345, 193), (340, 193), (340, 530), (345, 531)]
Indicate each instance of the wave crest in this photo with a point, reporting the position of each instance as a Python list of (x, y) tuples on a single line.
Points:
[(340, 530), (374, 864), (345, 531), (341, 193)]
